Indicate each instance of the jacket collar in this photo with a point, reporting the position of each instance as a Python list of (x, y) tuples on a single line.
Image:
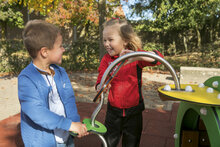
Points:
[(114, 57), (52, 72)]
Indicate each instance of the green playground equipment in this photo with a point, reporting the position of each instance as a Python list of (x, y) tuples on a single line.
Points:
[(99, 128), (198, 117)]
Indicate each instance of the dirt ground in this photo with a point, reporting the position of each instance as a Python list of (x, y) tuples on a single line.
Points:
[(83, 85)]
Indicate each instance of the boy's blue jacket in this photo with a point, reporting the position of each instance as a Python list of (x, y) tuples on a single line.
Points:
[(37, 121)]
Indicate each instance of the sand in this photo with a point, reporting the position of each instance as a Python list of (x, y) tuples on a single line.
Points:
[(83, 85)]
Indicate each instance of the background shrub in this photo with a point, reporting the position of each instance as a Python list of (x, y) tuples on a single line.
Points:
[(84, 56)]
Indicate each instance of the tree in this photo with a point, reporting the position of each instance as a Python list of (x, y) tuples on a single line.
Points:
[(82, 18), (75, 14), (102, 12), (10, 16), (38, 6), (84, 15), (180, 16)]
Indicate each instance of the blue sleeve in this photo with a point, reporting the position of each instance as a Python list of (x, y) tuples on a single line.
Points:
[(35, 106)]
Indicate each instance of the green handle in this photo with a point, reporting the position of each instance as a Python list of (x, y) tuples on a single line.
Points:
[(99, 128)]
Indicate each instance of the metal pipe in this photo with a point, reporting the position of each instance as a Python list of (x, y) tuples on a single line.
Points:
[(148, 54), (103, 140)]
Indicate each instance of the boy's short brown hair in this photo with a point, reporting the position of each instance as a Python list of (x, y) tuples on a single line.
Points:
[(38, 34)]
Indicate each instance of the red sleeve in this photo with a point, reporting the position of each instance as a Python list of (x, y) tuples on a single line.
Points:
[(101, 70), (155, 63)]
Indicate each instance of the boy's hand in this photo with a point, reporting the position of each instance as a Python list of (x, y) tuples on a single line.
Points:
[(78, 127)]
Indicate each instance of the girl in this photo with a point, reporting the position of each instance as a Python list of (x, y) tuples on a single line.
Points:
[(125, 101)]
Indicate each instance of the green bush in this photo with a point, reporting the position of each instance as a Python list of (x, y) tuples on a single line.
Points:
[(153, 46), (81, 55), (210, 56), (84, 56), (13, 56)]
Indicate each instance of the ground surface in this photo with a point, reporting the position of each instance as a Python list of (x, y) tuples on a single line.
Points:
[(158, 117), (83, 85), (158, 128)]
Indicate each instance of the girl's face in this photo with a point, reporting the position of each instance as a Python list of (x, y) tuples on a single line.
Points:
[(112, 40)]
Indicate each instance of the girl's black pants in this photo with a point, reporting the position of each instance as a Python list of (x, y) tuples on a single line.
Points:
[(128, 127)]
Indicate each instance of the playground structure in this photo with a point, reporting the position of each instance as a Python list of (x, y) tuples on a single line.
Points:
[(197, 121)]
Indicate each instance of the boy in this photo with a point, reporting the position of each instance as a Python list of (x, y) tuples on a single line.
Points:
[(48, 109)]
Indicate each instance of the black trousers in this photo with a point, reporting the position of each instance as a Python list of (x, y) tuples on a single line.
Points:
[(129, 128)]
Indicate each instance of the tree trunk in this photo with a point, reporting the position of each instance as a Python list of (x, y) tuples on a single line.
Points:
[(186, 47), (211, 33), (102, 13), (174, 50), (175, 42), (3, 30), (74, 33), (199, 45)]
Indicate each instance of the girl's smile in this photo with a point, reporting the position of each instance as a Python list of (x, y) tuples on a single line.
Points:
[(112, 40)]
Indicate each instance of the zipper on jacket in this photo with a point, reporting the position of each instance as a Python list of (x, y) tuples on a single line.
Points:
[(123, 112)]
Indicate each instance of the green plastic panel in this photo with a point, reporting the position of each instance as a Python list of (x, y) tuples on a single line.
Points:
[(211, 121)]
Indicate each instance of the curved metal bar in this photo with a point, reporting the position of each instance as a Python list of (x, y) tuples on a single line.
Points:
[(124, 57), (103, 140), (148, 54)]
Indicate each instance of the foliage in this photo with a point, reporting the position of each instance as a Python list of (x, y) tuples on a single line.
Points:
[(68, 13), (79, 18), (176, 29), (210, 54), (178, 15), (181, 26), (63, 12), (13, 56), (153, 46), (114, 9), (10, 16), (81, 55), (83, 14), (41, 6)]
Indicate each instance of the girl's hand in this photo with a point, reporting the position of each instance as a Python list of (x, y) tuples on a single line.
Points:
[(130, 60), (78, 127), (125, 51), (106, 89)]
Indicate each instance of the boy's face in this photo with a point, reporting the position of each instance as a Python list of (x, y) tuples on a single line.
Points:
[(55, 54), (112, 40)]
